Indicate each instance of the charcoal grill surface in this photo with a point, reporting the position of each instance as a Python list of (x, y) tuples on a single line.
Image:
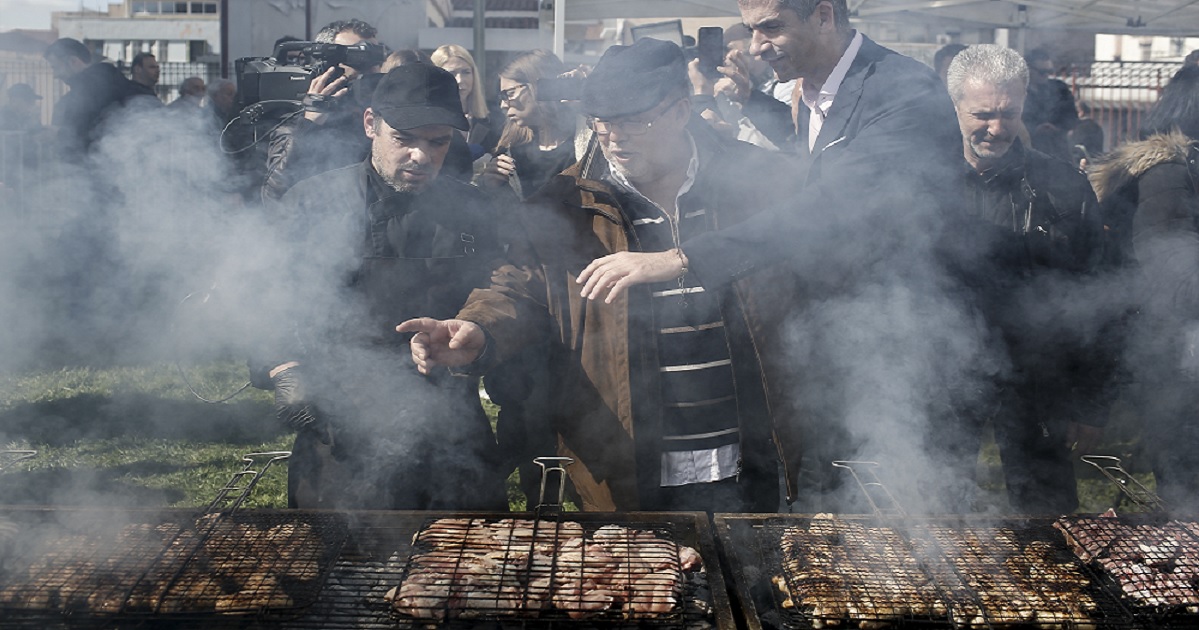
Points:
[(72, 563), (984, 573), (372, 562), (1151, 560)]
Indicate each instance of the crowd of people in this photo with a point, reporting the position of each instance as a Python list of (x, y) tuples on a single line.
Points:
[(705, 288)]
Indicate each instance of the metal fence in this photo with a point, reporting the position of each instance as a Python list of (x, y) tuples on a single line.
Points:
[(1119, 94), (36, 72)]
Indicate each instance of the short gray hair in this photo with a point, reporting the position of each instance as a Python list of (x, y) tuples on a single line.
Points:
[(985, 63)]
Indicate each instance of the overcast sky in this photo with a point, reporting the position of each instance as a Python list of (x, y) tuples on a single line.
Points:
[(36, 13)]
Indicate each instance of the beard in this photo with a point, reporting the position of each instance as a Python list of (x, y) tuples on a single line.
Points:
[(394, 179), (994, 152)]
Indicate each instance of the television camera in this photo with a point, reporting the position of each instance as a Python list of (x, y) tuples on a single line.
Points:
[(283, 78)]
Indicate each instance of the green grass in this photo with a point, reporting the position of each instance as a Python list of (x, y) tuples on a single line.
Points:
[(135, 435)]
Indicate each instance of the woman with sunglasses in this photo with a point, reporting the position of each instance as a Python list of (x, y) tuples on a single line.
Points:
[(538, 138)]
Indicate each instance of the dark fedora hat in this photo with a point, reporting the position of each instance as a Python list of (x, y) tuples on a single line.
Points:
[(632, 79), (418, 94)]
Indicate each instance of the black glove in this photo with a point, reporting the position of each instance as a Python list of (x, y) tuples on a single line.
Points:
[(292, 405)]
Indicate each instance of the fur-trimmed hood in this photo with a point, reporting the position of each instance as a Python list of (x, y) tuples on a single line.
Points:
[(1132, 160)]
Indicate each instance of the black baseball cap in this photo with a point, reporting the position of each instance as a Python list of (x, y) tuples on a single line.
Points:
[(418, 94), (633, 79)]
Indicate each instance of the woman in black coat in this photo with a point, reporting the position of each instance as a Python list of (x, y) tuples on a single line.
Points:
[(1150, 191)]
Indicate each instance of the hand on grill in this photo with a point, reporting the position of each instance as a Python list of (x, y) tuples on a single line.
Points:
[(292, 404)]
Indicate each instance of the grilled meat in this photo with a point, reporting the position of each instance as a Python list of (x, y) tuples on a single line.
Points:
[(472, 567), (1156, 565), (841, 573), (210, 565)]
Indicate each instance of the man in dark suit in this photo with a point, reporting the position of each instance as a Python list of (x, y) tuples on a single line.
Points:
[(879, 152), (885, 149)]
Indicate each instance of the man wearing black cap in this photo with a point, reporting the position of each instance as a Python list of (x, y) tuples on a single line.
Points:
[(376, 243), (662, 398)]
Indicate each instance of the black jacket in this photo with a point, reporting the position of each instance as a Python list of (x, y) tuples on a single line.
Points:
[(1150, 192), (300, 148), (96, 91), (886, 157), (1029, 240), (366, 258)]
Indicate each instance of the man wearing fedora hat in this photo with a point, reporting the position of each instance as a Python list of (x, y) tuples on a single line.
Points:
[(663, 395), (375, 243)]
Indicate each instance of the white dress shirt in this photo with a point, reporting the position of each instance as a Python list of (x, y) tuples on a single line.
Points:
[(820, 102)]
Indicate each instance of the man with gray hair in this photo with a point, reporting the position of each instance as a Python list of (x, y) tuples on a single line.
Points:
[(1031, 229)]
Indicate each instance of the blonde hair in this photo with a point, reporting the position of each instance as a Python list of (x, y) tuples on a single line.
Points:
[(402, 57), (477, 105)]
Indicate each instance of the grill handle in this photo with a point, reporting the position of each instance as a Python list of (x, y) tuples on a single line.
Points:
[(556, 467), (865, 474), (1136, 492), (10, 457), (242, 483)]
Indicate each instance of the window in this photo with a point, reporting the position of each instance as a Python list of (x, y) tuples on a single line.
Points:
[(180, 7), (139, 7), (210, 8), (168, 7), (196, 7)]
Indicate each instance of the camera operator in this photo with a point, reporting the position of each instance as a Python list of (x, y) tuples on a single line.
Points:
[(329, 134)]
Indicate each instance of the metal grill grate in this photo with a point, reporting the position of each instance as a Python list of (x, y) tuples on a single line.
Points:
[(1021, 574), (835, 570), (832, 571), (1153, 561), (373, 561), (551, 570), (239, 563)]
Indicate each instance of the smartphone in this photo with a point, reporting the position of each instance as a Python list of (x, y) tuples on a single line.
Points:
[(710, 50)]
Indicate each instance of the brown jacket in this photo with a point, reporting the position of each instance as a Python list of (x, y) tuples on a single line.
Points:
[(604, 362)]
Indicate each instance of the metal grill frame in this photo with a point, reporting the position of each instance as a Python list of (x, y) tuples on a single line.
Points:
[(372, 561), (1125, 525), (168, 552), (753, 554), (505, 597)]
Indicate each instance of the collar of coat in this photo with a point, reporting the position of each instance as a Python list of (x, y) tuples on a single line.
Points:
[(581, 186), (1134, 159)]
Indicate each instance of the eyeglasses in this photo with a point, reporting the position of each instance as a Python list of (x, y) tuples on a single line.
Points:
[(512, 93), (627, 127)]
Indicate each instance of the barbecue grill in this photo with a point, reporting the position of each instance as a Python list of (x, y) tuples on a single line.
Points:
[(892, 570), (373, 561), (130, 567), (227, 567), (916, 572)]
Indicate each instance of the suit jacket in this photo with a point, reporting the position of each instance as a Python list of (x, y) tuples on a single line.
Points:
[(886, 157)]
